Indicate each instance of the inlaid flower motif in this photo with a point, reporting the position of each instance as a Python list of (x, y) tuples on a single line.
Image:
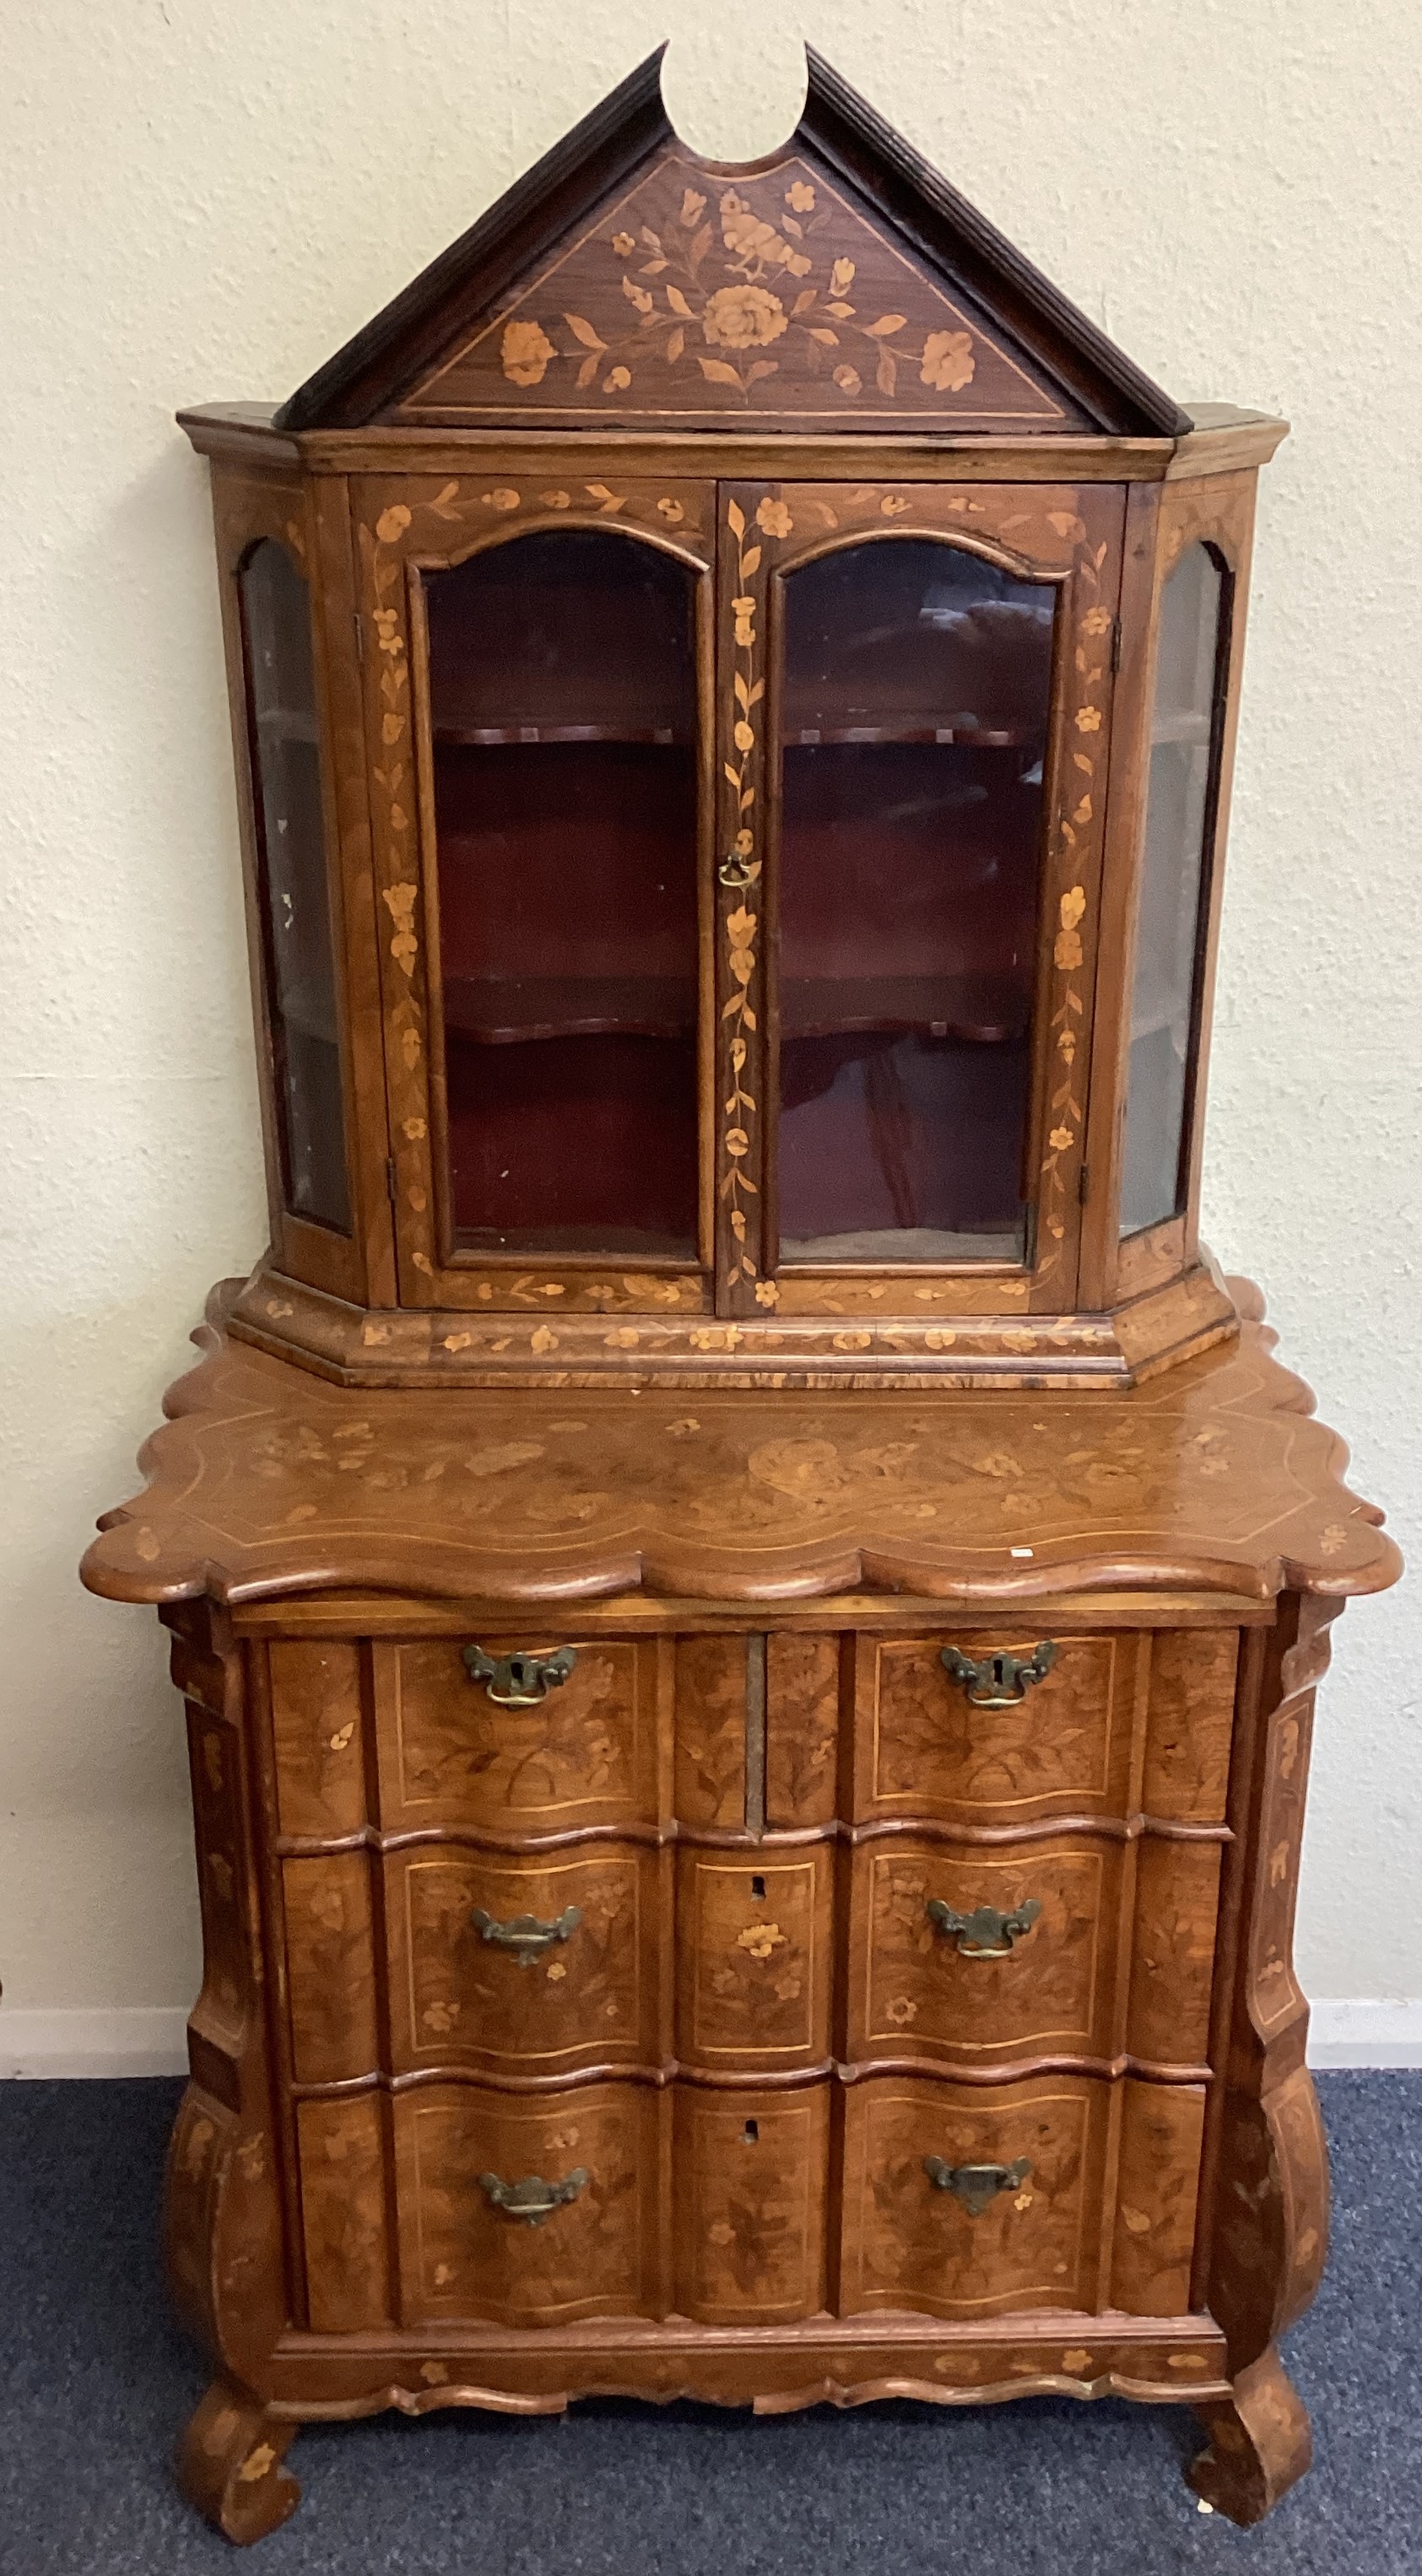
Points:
[(742, 317), (617, 380), (841, 277), (671, 511), (526, 352), (948, 361), (848, 379), (901, 2010), (624, 244), (744, 611), (774, 518), (799, 199), (693, 208)]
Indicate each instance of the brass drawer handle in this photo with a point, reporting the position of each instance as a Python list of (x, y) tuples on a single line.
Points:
[(983, 1934), (524, 1934), (999, 1681), (533, 2199), (735, 870), (977, 2186), (519, 1680)]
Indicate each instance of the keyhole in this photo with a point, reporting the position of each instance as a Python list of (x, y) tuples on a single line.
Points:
[(757, 1886), (750, 2134)]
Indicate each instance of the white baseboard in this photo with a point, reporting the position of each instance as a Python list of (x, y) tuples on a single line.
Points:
[(137, 2039), (1351, 2030), (150, 2039)]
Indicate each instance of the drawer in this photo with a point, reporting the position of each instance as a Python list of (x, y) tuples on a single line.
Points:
[(1039, 2226), (1117, 1958), (751, 2178), (917, 1989), (497, 1996), (585, 1754), (753, 1957), (922, 1748), (462, 2254)]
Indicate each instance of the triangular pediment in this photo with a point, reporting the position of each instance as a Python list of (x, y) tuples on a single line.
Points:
[(840, 284)]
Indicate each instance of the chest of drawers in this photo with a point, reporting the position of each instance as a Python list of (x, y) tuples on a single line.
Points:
[(809, 1946)]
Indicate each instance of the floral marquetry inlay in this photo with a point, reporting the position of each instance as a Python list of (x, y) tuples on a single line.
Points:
[(773, 294)]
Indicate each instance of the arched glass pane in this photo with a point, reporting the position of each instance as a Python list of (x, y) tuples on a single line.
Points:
[(563, 706), (295, 897), (1184, 737), (913, 723)]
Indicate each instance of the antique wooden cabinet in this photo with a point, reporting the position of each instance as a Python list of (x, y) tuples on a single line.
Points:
[(747, 1595)]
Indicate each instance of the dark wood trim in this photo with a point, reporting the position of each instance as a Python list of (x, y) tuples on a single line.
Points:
[(1115, 395), (383, 360)]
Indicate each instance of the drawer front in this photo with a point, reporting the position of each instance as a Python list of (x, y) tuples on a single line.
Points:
[(751, 2174), (524, 2004), (909, 2244), (1061, 2236), (1118, 1959), (461, 2255), (923, 1749), (586, 1754), (753, 1958), (917, 1989)]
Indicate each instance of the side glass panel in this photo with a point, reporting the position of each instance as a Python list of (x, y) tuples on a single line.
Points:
[(914, 701), (295, 897), (1185, 723), (563, 709)]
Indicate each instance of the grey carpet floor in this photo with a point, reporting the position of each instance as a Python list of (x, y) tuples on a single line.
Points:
[(96, 2381)]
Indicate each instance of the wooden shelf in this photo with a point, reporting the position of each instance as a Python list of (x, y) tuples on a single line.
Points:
[(509, 1012), (287, 724), (1186, 727), (913, 728), (979, 1010), (491, 737)]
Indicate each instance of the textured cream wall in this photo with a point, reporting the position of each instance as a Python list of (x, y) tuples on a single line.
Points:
[(206, 200)]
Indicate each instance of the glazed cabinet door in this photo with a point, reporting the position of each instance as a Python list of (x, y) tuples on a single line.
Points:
[(537, 660), (914, 697), (281, 687)]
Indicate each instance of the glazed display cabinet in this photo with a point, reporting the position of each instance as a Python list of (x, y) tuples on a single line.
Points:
[(748, 1596)]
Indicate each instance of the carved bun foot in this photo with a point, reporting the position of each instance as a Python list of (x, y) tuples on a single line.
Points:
[(229, 2464), (1258, 2446)]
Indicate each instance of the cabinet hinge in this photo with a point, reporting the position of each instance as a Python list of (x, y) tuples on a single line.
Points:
[(1115, 646), (1083, 1184)]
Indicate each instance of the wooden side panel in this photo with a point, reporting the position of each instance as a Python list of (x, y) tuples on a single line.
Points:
[(343, 2202), (907, 2244), (754, 1957), (923, 1749), (317, 1729), (1173, 1954), (913, 1991), (462, 2256), (1192, 1680), (451, 1756), (1263, 2246), (1162, 2126), (711, 1730), (751, 2181), (459, 1999), (330, 1962), (802, 1681)]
